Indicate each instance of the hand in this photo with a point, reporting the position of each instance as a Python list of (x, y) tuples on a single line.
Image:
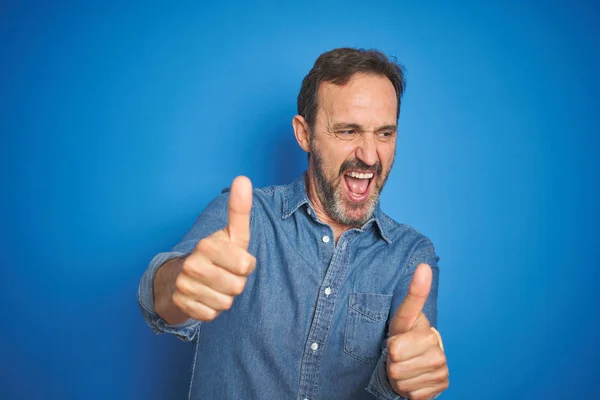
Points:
[(217, 269), (416, 364)]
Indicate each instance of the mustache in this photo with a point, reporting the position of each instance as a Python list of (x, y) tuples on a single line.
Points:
[(358, 164)]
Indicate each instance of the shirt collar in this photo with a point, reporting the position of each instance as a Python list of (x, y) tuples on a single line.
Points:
[(295, 196)]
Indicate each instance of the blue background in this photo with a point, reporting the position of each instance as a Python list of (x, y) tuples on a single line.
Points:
[(119, 123)]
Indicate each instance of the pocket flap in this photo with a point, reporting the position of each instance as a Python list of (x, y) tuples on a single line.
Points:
[(374, 306)]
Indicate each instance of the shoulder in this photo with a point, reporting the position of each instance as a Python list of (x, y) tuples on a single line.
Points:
[(405, 237), (271, 193), (268, 198), (415, 246)]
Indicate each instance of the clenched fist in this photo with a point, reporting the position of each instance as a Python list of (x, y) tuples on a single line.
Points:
[(217, 269)]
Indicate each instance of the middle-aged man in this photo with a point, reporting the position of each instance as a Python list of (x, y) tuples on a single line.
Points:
[(308, 290)]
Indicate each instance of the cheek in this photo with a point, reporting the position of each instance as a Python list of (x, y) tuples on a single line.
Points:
[(338, 154), (386, 155)]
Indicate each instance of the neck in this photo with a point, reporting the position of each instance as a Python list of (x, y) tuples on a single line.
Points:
[(311, 190)]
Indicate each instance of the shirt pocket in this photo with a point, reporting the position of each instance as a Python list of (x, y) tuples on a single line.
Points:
[(365, 325)]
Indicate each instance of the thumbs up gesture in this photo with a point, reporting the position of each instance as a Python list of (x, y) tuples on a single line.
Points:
[(217, 270), (416, 364)]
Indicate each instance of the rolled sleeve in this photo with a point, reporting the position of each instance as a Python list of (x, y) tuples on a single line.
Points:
[(213, 217), (379, 386), (185, 331)]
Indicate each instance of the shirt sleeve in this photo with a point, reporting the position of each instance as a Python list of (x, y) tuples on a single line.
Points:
[(213, 218), (379, 385)]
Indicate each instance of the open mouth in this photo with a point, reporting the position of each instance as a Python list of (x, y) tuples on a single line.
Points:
[(358, 185)]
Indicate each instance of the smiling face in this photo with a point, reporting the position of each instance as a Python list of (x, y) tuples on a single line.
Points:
[(352, 147)]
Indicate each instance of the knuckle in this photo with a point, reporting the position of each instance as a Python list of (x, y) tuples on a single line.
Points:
[(446, 374), (238, 286), (391, 370), (210, 314), (180, 285), (226, 302), (394, 350), (252, 263), (242, 268), (181, 303), (403, 386), (440, 376), (205, 246), (394, 371), (246, 265), (188, 266), (177, 300), (432, 339), (439, 360)]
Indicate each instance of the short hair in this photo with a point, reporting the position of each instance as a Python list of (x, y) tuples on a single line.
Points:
[(337, 66)]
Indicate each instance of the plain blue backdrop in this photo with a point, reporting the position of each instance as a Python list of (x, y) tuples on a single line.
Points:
[(119, 123)]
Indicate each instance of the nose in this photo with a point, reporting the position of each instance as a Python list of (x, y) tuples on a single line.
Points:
[(367, 150)]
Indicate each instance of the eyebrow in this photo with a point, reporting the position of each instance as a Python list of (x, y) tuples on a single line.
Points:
[(359, 128)]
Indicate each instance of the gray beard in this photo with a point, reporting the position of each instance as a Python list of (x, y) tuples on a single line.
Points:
[(332, 200)]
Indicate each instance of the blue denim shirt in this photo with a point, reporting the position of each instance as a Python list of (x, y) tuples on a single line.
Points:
[(313, 319)]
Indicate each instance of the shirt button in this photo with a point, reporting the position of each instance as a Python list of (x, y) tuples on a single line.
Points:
[(325, 239), (314, 346), (309, 213), (327, 291)]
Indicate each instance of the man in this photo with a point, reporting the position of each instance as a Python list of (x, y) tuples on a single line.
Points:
[(309, 291)]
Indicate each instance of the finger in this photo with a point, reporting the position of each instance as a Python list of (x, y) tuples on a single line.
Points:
[(433, 382), (411, 307), (412, 344), (430, 361), (227, 255), (429, 391), (203, 294), (215, 277), (193, 308), (240, 204)]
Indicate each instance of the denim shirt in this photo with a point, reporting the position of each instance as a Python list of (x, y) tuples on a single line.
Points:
[(312, 322)]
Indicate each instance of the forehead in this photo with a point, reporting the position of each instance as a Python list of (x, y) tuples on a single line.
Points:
[(365, 99)]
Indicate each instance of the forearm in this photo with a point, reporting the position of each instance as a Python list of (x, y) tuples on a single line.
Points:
[(164, 286)]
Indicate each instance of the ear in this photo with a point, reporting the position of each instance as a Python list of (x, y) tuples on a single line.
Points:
[(301, 132)]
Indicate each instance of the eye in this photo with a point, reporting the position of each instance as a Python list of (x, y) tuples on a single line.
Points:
[(347, 134), (386, 135)]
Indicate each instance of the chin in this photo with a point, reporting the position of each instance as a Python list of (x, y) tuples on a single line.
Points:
[(356, 214)]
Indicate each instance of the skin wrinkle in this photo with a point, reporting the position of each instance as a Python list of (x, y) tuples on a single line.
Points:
[(371, 113)]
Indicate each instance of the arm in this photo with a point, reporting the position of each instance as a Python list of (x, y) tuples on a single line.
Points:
[(382, 386), (164, 288), (200, 278)]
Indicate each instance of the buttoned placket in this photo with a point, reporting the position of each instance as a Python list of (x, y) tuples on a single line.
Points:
[(323, 314)]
